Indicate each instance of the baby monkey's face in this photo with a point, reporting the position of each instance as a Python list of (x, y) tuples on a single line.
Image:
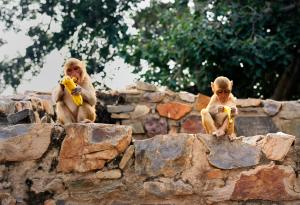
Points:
[(223, 94)]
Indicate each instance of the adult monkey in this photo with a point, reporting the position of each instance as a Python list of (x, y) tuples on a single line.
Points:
[(214, 118), (67, 111)]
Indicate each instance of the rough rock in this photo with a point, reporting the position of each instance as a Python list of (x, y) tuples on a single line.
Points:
[(166, 187), (120, 116), (140, 111), (24, 142), (130, 91), (87, 146), (173, 110), (155, 125), (249, 102), (201, 102), (165, 155), (266, 182), (271, 107), (153, 97), (7, 199), (37, 104), (192, 124), (126, 157), (7, 106), (276, 145), (188, 97), (145, 86), (22, 105), (110, 174), (229, 155), (289, 110), (137, 126), (119, 108), (263, 124), (24, 116)]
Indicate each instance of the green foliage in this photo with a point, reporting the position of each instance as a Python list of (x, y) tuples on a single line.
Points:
[(90, 29), (250, 42)]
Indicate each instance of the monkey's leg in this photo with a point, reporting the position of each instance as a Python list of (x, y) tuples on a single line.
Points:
[(64, 115), (230, 131), (86, 113), (208, 122)]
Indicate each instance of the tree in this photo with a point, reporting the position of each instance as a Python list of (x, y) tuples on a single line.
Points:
[(255, 43), (90, 29)]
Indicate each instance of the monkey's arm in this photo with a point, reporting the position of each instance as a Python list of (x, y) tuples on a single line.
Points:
[(89, 95), (58, 93)]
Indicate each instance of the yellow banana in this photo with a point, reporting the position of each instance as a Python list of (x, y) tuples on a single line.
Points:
[(227, 109), (70, 85)]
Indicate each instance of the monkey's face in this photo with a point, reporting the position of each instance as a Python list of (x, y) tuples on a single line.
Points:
[(74, 71), (223, 94)]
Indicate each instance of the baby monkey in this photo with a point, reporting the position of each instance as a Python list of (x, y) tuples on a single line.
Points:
[(215, 118)]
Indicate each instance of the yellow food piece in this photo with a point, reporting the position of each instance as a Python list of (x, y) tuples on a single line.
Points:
[(71, 85), (227, 109)]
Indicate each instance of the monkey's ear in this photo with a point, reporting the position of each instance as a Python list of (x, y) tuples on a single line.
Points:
[(212, 86), (231, 82)]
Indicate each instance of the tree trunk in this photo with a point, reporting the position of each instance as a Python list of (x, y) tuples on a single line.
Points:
[(289, 83)]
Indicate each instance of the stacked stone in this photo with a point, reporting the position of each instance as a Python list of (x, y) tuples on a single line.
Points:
[(30, 107), (151, 111)]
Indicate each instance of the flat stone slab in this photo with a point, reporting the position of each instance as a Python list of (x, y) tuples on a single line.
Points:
[(230, 155), (24, 142), (173, 110), (155, 125), (24, 116), (254, 125), (165, 155), (89, 146)]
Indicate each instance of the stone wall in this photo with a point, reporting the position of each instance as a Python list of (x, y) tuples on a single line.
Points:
[(153, 152)]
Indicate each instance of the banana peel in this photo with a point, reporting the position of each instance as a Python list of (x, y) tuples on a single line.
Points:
[(70, 85)]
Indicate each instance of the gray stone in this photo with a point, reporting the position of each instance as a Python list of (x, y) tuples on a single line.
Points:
[(24, 142), (119, 108), (132, 98), (24, 116), (249, 102), (154, 97), (155, 125), (290, 126), (271, 107), (188, 97), (229, 155), (254, 125), (145, 86), (165, 155), (276, 145), (290, 110), (137, 126), (140, 111)]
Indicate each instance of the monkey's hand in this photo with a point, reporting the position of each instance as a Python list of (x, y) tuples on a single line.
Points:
[(234, 111), (220, 109), (76, 90)]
